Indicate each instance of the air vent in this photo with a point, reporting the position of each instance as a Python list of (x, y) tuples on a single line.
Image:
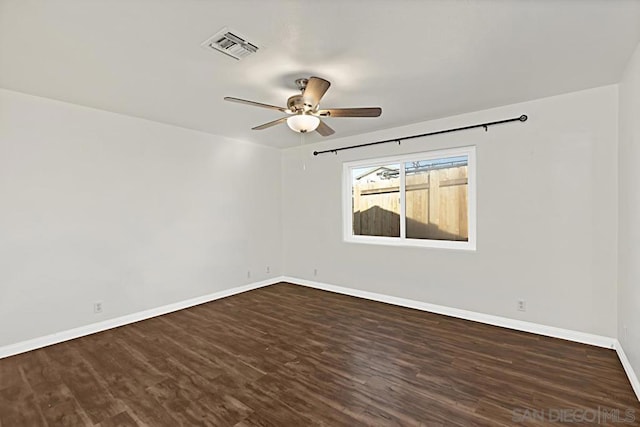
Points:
[(231, 44)]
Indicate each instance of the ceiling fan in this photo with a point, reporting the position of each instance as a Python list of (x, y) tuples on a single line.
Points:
[(304, 109)]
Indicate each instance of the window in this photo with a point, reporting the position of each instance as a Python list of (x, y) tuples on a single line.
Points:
[(423, 199)]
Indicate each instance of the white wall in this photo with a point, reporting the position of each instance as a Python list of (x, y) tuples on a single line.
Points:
[(96, 206), (547, 215), (629, 213)]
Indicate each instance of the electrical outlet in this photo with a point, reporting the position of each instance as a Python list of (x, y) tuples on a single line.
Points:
[(268, 269), (97, 307), (522, 305), (315, 271)]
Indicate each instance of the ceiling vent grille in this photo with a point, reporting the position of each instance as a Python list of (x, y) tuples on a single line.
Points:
[(231, 44)]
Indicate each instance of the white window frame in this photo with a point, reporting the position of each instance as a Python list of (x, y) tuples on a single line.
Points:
[(470, 245)]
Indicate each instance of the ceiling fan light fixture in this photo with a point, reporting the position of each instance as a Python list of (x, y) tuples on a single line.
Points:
[(303, 123)]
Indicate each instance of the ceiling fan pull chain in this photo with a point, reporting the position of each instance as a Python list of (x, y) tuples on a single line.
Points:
[(304, 162)]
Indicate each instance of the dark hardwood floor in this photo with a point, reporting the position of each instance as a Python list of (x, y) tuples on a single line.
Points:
[(287, 355)]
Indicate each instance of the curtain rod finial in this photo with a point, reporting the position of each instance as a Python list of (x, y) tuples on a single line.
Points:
[(523, 118)]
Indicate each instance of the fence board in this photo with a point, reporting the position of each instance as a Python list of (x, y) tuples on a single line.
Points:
[(436, 205)]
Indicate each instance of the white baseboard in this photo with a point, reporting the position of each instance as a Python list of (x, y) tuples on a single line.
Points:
[(58, 337), (519, 325), (628, 369)]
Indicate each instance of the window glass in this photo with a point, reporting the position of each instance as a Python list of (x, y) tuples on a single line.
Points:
[(376, 201), (436, 198)]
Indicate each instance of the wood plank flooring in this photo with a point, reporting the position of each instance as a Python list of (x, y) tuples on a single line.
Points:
[(287, 355)]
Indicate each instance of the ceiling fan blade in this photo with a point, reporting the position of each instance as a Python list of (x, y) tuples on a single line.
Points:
[(324, 129), (351, 112), (255, 104), (315, 90), (269, 124)]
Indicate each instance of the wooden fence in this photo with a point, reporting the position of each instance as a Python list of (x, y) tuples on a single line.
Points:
[(436, 206)]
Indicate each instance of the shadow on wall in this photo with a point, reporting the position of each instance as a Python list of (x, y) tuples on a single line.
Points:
[(377, 221)]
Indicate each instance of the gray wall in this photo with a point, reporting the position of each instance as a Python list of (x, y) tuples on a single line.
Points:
[(629, 213), (96, 206), (547, 217)]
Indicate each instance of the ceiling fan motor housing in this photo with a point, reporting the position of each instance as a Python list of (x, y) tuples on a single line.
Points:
[(298, 104)]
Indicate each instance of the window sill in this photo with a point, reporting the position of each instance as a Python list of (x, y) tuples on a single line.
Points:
[(414, 243)]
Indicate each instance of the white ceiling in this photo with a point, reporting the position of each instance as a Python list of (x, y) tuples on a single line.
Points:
[(418, 60)]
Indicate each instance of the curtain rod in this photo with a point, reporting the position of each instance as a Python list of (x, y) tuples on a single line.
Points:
[(522, 118)]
